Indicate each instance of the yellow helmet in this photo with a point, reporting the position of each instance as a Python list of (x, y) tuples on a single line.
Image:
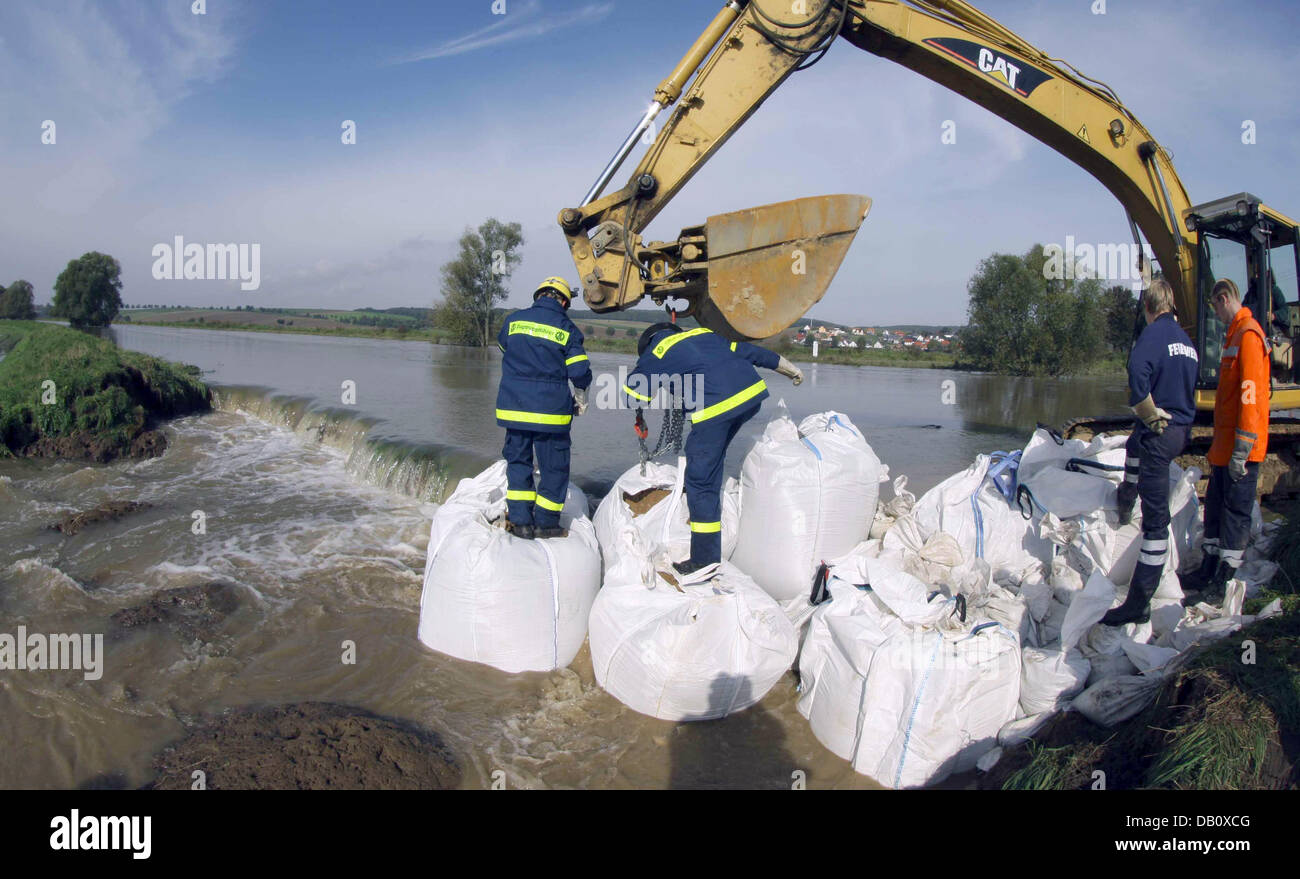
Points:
[(559, 285)]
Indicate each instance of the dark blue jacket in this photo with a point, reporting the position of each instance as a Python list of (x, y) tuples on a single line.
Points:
[(719, 375), (543, 353), (1163, 363)]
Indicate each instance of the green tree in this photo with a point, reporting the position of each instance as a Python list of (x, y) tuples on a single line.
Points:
[(16, 302), (88, 291), (1024, 323), (475, 281), (1121, 318)]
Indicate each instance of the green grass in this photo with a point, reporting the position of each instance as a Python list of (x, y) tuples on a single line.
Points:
[(99, 390)]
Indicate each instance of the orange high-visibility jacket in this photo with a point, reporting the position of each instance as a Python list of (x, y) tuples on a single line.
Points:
[(1241, 401)]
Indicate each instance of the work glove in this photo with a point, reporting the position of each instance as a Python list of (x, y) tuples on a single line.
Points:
[(1237, 463), (579, 401), (788, 369), (1155, 418)]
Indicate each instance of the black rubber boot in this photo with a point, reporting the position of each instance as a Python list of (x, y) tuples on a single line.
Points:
[(1126, 498), (688, 567), (544, 533), (1195, 582), (523, 532), (1217, 587), (1136, 607)]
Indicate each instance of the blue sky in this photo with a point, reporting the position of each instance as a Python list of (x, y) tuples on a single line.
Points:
[(225, 127)]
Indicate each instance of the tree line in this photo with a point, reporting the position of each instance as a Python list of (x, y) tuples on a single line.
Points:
[(1020, 322), (87, 293)]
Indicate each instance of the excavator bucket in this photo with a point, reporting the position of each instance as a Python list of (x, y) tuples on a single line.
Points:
[(768, 265)]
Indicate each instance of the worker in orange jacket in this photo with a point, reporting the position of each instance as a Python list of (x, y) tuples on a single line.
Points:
[(1240, 439)]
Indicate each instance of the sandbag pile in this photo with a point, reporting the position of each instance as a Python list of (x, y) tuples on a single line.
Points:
[(1027, 547), (807, 493), (489, 597)]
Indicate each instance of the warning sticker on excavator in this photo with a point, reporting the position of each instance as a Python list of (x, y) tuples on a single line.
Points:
[(1083, 134), (1018, 76)]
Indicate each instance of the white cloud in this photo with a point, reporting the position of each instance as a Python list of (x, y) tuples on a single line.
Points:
[(529, 21)]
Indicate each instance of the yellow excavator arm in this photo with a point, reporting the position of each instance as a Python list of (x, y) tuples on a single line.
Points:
[(751, 284), (751, 273)]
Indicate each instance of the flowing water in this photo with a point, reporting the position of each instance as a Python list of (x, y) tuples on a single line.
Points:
[(316, 507)]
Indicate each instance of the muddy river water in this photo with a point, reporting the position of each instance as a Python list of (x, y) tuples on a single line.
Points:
[(314, 481)]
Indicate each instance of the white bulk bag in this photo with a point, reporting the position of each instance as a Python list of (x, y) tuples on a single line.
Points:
[(517, 605), (706, 651), (1068, 493), (665, 526), (892, 680), (844, 634), (807, 494), (972, 510), (938, 704)]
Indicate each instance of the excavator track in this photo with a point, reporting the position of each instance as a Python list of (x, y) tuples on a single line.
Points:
[(1279, 474)]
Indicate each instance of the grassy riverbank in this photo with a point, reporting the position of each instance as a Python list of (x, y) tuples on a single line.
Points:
[(64, 393)]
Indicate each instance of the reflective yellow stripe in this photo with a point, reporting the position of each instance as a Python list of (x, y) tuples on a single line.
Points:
[(662, 348), (533, 417), (575, 359), (634, 394), (513, 495), (540, 331), (731, 402), (549, 505), (733, 346), (706, 527), (502, 347)]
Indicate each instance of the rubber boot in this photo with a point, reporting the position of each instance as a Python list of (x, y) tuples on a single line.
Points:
[(1196, 582), (544, 533), (523, 532), (688, 567), (1137, 604), (1126, 498), (1217, 587)]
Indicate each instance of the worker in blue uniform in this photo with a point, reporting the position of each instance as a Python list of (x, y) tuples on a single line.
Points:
[(1162, 372), (543, 353), (725, 391)]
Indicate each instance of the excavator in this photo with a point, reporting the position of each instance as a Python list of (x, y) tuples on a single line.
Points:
[(751, 274)]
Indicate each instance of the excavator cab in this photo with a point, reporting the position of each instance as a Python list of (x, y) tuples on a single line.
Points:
[(1256, 247)]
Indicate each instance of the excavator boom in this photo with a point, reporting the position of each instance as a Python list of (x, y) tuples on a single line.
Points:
[(735, 271)]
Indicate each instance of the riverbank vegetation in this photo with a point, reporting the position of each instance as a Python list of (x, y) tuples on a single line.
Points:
[(1021, 322), (66, 393)]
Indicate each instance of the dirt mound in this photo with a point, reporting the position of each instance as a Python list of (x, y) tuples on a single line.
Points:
[(307, 746), (110, 511), (195, 613)]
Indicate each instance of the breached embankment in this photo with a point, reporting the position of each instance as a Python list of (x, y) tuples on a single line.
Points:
[(68, 394), (423, 471)]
